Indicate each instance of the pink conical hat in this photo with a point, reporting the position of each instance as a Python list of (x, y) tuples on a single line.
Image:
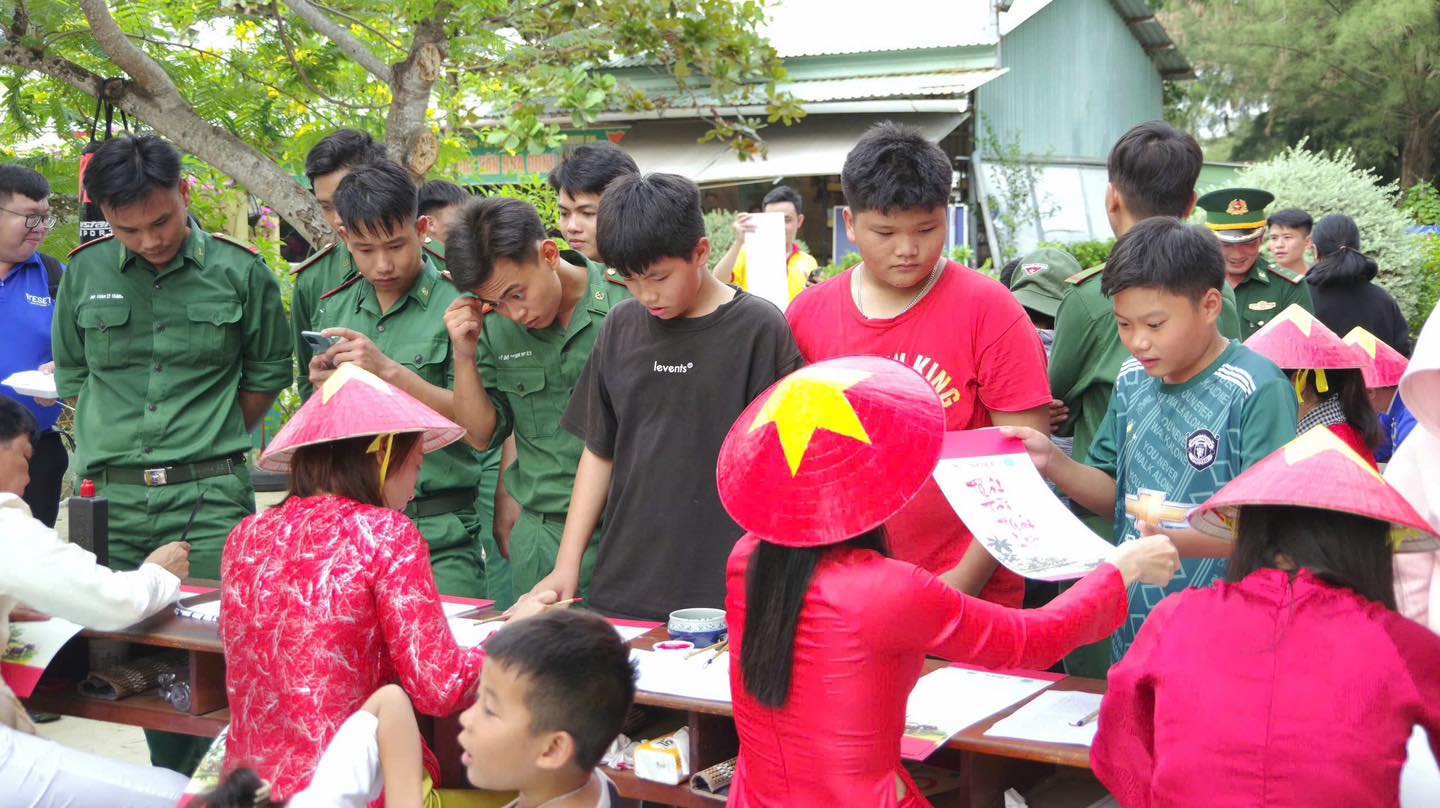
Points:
[(1297, 341), (355, 403), (1385, 364)]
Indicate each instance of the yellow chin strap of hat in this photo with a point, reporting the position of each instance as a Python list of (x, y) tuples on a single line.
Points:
[(385, 443), (1322, 384)]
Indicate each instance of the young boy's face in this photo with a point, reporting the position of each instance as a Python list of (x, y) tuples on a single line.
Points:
[(526, 293), (577, 222), (1288, 244), (901, 247), (1169, 333), (156, 226), (670, 287), (502, 752), (389, 259)]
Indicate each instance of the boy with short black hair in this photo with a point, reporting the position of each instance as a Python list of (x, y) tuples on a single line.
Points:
[(579, 182), (440, 201), (962, 331), (389, 320), (553, 695), (1290, 238), (530, 328), (670, 372), (733, 266), (1191, 409), (327, 163)]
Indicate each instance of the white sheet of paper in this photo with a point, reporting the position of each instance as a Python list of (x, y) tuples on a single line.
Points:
[(948, 700), (452, 609), (209, 610), (1048, 718), (628, 633), (995, 489), (765, 272), (36, 384), (671, 673), (470, 633)]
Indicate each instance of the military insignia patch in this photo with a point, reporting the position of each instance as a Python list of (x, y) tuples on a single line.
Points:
[(1263, 305), (1237, 207), (1033, 269)]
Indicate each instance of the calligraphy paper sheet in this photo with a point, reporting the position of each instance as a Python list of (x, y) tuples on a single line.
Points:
[(996, 491), (765, 270), (948, 700), (32, 645)]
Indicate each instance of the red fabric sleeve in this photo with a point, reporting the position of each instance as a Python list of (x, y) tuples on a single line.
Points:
[(929, 615), (438, 675), (1123, 755), (1419, 649), (1011, 368)]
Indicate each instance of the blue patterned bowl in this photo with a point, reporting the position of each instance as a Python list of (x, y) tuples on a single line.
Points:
[(704, 627)]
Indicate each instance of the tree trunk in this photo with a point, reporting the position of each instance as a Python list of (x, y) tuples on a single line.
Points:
[(1417, 155), (411, 140)]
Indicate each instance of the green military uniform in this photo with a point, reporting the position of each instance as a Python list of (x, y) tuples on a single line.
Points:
[(497, 566), (447, 507), (1266, 291), (156, 358), (1237, 216), (1084, 363), (529, 376), (320, 273)]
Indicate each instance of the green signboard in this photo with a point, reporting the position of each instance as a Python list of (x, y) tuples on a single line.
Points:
[(487, 165)]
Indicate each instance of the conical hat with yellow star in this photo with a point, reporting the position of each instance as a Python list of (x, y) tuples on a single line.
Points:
[(1384, 365), (1317, 470), (356, 403), (1295, 340), (831, 451)]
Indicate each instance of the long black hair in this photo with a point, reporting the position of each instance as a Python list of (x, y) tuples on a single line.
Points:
[(242, 788), (1348, 384), (776, 581), (1340, 548), (1337, 250)]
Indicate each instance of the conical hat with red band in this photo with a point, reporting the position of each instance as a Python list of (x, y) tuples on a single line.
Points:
[(356, 403), (1295, 340), (1317, 470), (1385, 365), (831, 451)]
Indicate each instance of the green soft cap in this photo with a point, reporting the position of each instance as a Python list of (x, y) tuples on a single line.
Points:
[(1039, 279)]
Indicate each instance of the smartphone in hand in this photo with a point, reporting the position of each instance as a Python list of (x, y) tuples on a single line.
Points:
[(319, 343)]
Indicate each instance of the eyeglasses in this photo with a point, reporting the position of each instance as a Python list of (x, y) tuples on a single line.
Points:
[(34, 221)]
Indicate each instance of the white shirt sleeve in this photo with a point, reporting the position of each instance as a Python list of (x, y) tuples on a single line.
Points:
[(63, 579), (348, 775)]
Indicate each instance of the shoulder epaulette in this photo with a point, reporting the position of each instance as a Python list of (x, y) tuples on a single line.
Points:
[(301, 267), (1085, 275), (349, 282), (235, 242), (427, 248), (1286, 275), (614, 277), (91, 243)]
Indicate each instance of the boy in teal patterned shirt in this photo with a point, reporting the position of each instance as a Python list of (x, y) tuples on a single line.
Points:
[(1191, 409)]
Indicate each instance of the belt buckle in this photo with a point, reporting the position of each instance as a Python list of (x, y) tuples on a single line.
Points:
[(156, 476)]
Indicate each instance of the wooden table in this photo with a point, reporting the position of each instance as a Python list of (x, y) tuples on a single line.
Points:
[(987, 765)]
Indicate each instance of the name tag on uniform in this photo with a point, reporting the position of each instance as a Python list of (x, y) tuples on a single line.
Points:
[(1263, 305)]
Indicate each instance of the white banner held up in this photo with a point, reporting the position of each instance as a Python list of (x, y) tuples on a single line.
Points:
[(1001, 497), (765, 260)]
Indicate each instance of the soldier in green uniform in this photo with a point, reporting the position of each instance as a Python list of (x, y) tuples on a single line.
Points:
[(440, 202), (1237, 217), (390, 320), (1153, 169), (545, 307), (330, 161), (173, 343)]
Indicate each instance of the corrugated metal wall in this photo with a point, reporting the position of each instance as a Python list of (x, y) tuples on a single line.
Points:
[(1077, 81)]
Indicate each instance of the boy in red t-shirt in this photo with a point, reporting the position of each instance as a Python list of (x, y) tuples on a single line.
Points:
[(961, 330)]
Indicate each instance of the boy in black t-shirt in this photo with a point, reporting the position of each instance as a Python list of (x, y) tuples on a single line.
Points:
[(670, 372)]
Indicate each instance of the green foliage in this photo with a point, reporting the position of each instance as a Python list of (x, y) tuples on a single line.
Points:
[(720, 229), (1324, 183), (1013, 194), (1422, 203), (1428, 293), (537, 191), (1086, 253), (1349, 74)]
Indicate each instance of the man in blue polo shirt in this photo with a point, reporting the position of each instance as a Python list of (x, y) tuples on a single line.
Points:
[(28, 281)]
